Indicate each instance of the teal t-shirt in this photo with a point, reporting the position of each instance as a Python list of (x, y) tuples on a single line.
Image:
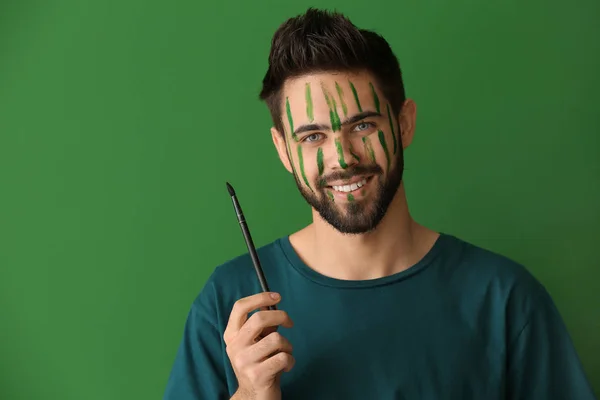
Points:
[(463, 323)]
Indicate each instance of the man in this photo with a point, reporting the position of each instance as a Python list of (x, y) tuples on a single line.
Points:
[(370, 304)]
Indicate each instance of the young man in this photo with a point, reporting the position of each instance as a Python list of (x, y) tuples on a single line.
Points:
[(370, 304)]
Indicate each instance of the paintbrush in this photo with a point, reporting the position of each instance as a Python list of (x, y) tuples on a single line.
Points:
[(249, 243)]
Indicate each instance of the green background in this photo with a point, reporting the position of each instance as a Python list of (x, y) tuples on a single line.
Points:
[(120, 121)]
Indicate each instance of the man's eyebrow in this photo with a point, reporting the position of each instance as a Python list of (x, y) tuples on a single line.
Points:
[(311, 127), (362, 115), (320, 127)]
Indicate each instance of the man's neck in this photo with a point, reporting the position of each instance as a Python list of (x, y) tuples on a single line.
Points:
[(395, 245)]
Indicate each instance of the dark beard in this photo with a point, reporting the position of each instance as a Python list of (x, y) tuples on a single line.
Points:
[(360, 216)]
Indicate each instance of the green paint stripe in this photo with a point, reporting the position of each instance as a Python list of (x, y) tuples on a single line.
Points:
[(341, 96), (320, 163), (384, 145), (309, 104), (392, 127), (336, 124), (355, 96), (340, 152), (290, 119), (369, 149), (375, 97), (330, 195), (350, 197), (287, 143), (351, 150), (301, 161)]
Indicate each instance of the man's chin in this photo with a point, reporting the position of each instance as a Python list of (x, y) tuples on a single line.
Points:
[(350, 218), (352, 226)]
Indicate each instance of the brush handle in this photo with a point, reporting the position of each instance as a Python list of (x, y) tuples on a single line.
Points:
[(251, 248)]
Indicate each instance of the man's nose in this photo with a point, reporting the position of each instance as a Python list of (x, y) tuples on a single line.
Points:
[(344, 154)]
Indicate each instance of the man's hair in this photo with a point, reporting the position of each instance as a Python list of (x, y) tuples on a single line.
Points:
[(321, 41)]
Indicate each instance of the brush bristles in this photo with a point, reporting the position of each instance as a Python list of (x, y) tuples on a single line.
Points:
[(230, 189)]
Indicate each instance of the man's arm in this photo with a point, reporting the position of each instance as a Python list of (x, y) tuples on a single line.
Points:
[(542, 361)]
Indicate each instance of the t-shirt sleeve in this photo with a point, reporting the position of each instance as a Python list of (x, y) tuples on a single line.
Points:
[(198, 372), (542, 361)]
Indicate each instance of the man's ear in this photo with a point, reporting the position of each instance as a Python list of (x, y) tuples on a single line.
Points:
[(279, 142), (407, 121)]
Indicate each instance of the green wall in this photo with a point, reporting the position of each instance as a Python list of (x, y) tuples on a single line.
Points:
[(120, 121)]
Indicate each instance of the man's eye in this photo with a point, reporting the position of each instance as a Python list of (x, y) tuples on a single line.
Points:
[(363, 126), (312, 137)]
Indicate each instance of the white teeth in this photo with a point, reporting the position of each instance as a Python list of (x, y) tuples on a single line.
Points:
[(350, 188)]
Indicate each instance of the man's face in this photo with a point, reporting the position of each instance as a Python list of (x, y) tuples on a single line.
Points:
[(344, 147)]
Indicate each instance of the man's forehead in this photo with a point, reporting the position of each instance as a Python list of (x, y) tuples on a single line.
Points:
[(296, 86), (324, 91)]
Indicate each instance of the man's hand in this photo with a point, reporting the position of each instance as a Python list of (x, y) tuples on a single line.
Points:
[(258, 353)]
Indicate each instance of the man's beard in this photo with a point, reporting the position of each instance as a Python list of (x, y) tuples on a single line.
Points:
[(360, 215)]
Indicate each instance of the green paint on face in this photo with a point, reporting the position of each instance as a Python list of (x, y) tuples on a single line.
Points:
[(309, 104), (301, 161), (350, 197), (290, 119), (392, 128), (336, 124), (363, 192), (330, 195), (384, 145), (320, 164), (369, 148), (340, 152), (355, 96), (341, 96), (322, 182), (351, 150), (289, 149), (375, 97)]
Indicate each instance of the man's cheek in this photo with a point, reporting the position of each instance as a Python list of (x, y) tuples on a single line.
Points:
[(383, 143), (301, 164), (320, 163)]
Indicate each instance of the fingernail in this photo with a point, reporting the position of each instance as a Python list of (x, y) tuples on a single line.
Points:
[(275, 296)]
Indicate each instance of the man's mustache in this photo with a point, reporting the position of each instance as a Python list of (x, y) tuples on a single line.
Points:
[(350, 173)]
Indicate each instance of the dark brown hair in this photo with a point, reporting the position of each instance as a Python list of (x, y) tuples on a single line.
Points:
[(319, 41)]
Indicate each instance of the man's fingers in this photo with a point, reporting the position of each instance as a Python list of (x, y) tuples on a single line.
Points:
[(261, 321), (242, 307), (280, 362), (271, 345)]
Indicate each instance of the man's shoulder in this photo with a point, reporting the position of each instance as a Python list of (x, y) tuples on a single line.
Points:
[(485, 269), (241, 265), (236, 277), (487, 279)]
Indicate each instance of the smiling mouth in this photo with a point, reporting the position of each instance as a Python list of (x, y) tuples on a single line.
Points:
[(350, 187)]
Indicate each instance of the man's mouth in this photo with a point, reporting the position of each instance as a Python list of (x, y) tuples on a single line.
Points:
[(350, 186)]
